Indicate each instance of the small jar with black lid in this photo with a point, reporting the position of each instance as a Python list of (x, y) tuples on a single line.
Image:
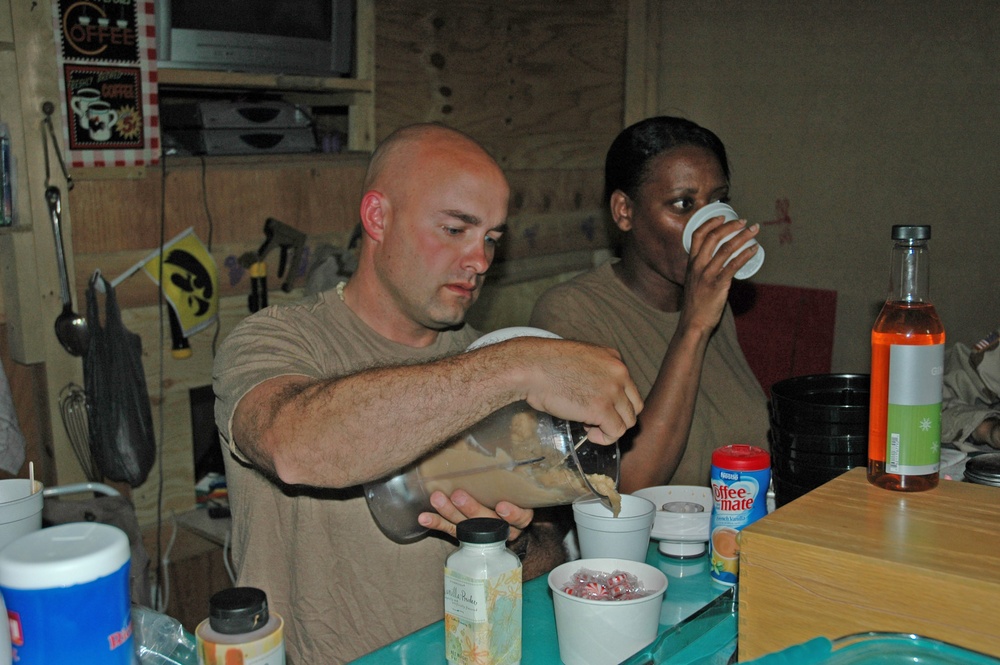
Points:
[(482, 596), (240, 629)]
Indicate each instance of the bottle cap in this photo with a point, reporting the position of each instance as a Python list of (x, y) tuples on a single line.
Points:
[(908, 232), (238, 610), (483, 530), (741, 457)]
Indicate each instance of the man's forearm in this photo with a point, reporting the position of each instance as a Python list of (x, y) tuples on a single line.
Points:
[(351, 430), (346, 431)]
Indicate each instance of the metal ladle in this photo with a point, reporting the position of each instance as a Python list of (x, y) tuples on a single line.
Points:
[(71, 328)]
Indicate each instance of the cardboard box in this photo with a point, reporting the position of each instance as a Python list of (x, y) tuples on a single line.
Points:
[(849, 557)]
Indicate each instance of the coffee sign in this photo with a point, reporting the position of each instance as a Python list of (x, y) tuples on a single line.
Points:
[(98, 29), (107, 57), (104, 104)]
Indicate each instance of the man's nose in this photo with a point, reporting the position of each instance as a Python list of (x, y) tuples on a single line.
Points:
[(479, 258)]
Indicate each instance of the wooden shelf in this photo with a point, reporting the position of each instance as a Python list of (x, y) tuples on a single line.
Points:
[(279, 83), (356, 93)]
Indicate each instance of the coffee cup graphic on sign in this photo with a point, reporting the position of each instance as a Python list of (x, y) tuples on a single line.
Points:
[(100, 119), (81, 101)]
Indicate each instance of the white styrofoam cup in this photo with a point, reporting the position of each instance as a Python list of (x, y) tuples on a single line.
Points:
[(716, 209), (603, 535)]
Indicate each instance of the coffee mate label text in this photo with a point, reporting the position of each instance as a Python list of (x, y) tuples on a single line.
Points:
[(739, 498)]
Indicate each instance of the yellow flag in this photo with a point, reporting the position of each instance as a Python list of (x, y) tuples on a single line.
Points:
[(190, 281)]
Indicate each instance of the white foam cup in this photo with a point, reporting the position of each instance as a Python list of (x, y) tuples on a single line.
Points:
[(605, 632), (20, 508), (603, 535), (711, 211)]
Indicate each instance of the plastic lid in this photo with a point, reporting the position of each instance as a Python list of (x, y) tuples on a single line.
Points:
[(238, 610), (741, 457), (908, 232), (483, 530), (983, 469), (63, 555)]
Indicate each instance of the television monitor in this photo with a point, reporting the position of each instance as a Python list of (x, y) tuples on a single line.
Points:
[(310, 37)]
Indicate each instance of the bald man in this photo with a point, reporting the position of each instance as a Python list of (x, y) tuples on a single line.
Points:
[(348, 386)]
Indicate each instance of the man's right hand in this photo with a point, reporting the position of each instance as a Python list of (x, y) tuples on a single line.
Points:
[(579, 382), (988, 432)]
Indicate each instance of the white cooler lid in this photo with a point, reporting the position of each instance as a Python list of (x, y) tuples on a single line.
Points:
[(63, 556)]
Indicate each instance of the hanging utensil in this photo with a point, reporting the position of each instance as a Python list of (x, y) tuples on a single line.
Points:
[(73, 407), (71, 328)]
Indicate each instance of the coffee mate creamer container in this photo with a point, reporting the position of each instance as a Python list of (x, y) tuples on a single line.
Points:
[(741, 475), (66, 589)]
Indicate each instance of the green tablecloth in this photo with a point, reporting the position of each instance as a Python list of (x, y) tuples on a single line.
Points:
[(708, 635)]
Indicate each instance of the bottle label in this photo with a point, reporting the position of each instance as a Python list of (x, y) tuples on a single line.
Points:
[(739, 498), (482, 618), (266, 650), (913, 423)]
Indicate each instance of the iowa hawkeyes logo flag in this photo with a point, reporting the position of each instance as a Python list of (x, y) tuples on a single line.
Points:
[(190, 281)]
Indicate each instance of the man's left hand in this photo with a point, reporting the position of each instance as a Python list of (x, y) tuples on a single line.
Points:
[(460, 506)]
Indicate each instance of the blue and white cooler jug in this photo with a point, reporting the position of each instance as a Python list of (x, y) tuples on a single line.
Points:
[(66, 589)]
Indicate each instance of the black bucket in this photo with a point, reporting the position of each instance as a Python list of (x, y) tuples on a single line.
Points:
[(819, 430)]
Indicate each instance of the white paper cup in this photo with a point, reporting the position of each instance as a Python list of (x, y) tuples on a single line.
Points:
[(20, 508), (716, 209), (605, 632), (602, 535)]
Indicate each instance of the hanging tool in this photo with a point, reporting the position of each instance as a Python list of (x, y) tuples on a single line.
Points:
[(71, 328), (282, 235), (287, 239), (73, 407), (251, 261)]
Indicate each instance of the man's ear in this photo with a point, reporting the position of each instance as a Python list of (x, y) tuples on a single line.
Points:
[(374, 213), (621, 210)]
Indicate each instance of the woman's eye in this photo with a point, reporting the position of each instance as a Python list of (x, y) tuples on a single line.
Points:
[(682, 205)]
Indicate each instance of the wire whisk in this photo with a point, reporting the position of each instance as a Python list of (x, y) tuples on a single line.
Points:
[(73, 407)]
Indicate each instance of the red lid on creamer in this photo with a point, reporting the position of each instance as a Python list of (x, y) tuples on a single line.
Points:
[(741, 457)]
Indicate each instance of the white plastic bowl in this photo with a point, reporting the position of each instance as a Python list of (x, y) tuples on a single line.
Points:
[(605, 632), (680, 534), (503, 334)]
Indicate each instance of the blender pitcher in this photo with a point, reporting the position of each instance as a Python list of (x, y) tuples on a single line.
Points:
[(515, 454)]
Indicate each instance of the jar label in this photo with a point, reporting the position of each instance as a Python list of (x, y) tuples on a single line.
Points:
[(739, 498), (264, 650), (482, 618), (913, 422)]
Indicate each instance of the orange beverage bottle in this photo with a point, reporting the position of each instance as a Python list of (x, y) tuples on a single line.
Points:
[(904, 421)]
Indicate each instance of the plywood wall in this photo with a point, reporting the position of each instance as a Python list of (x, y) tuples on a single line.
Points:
[(538, 83), (541, 85), (843, 119)]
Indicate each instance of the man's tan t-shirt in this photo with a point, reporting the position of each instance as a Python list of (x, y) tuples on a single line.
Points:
[(731, 407), (342, 587)]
